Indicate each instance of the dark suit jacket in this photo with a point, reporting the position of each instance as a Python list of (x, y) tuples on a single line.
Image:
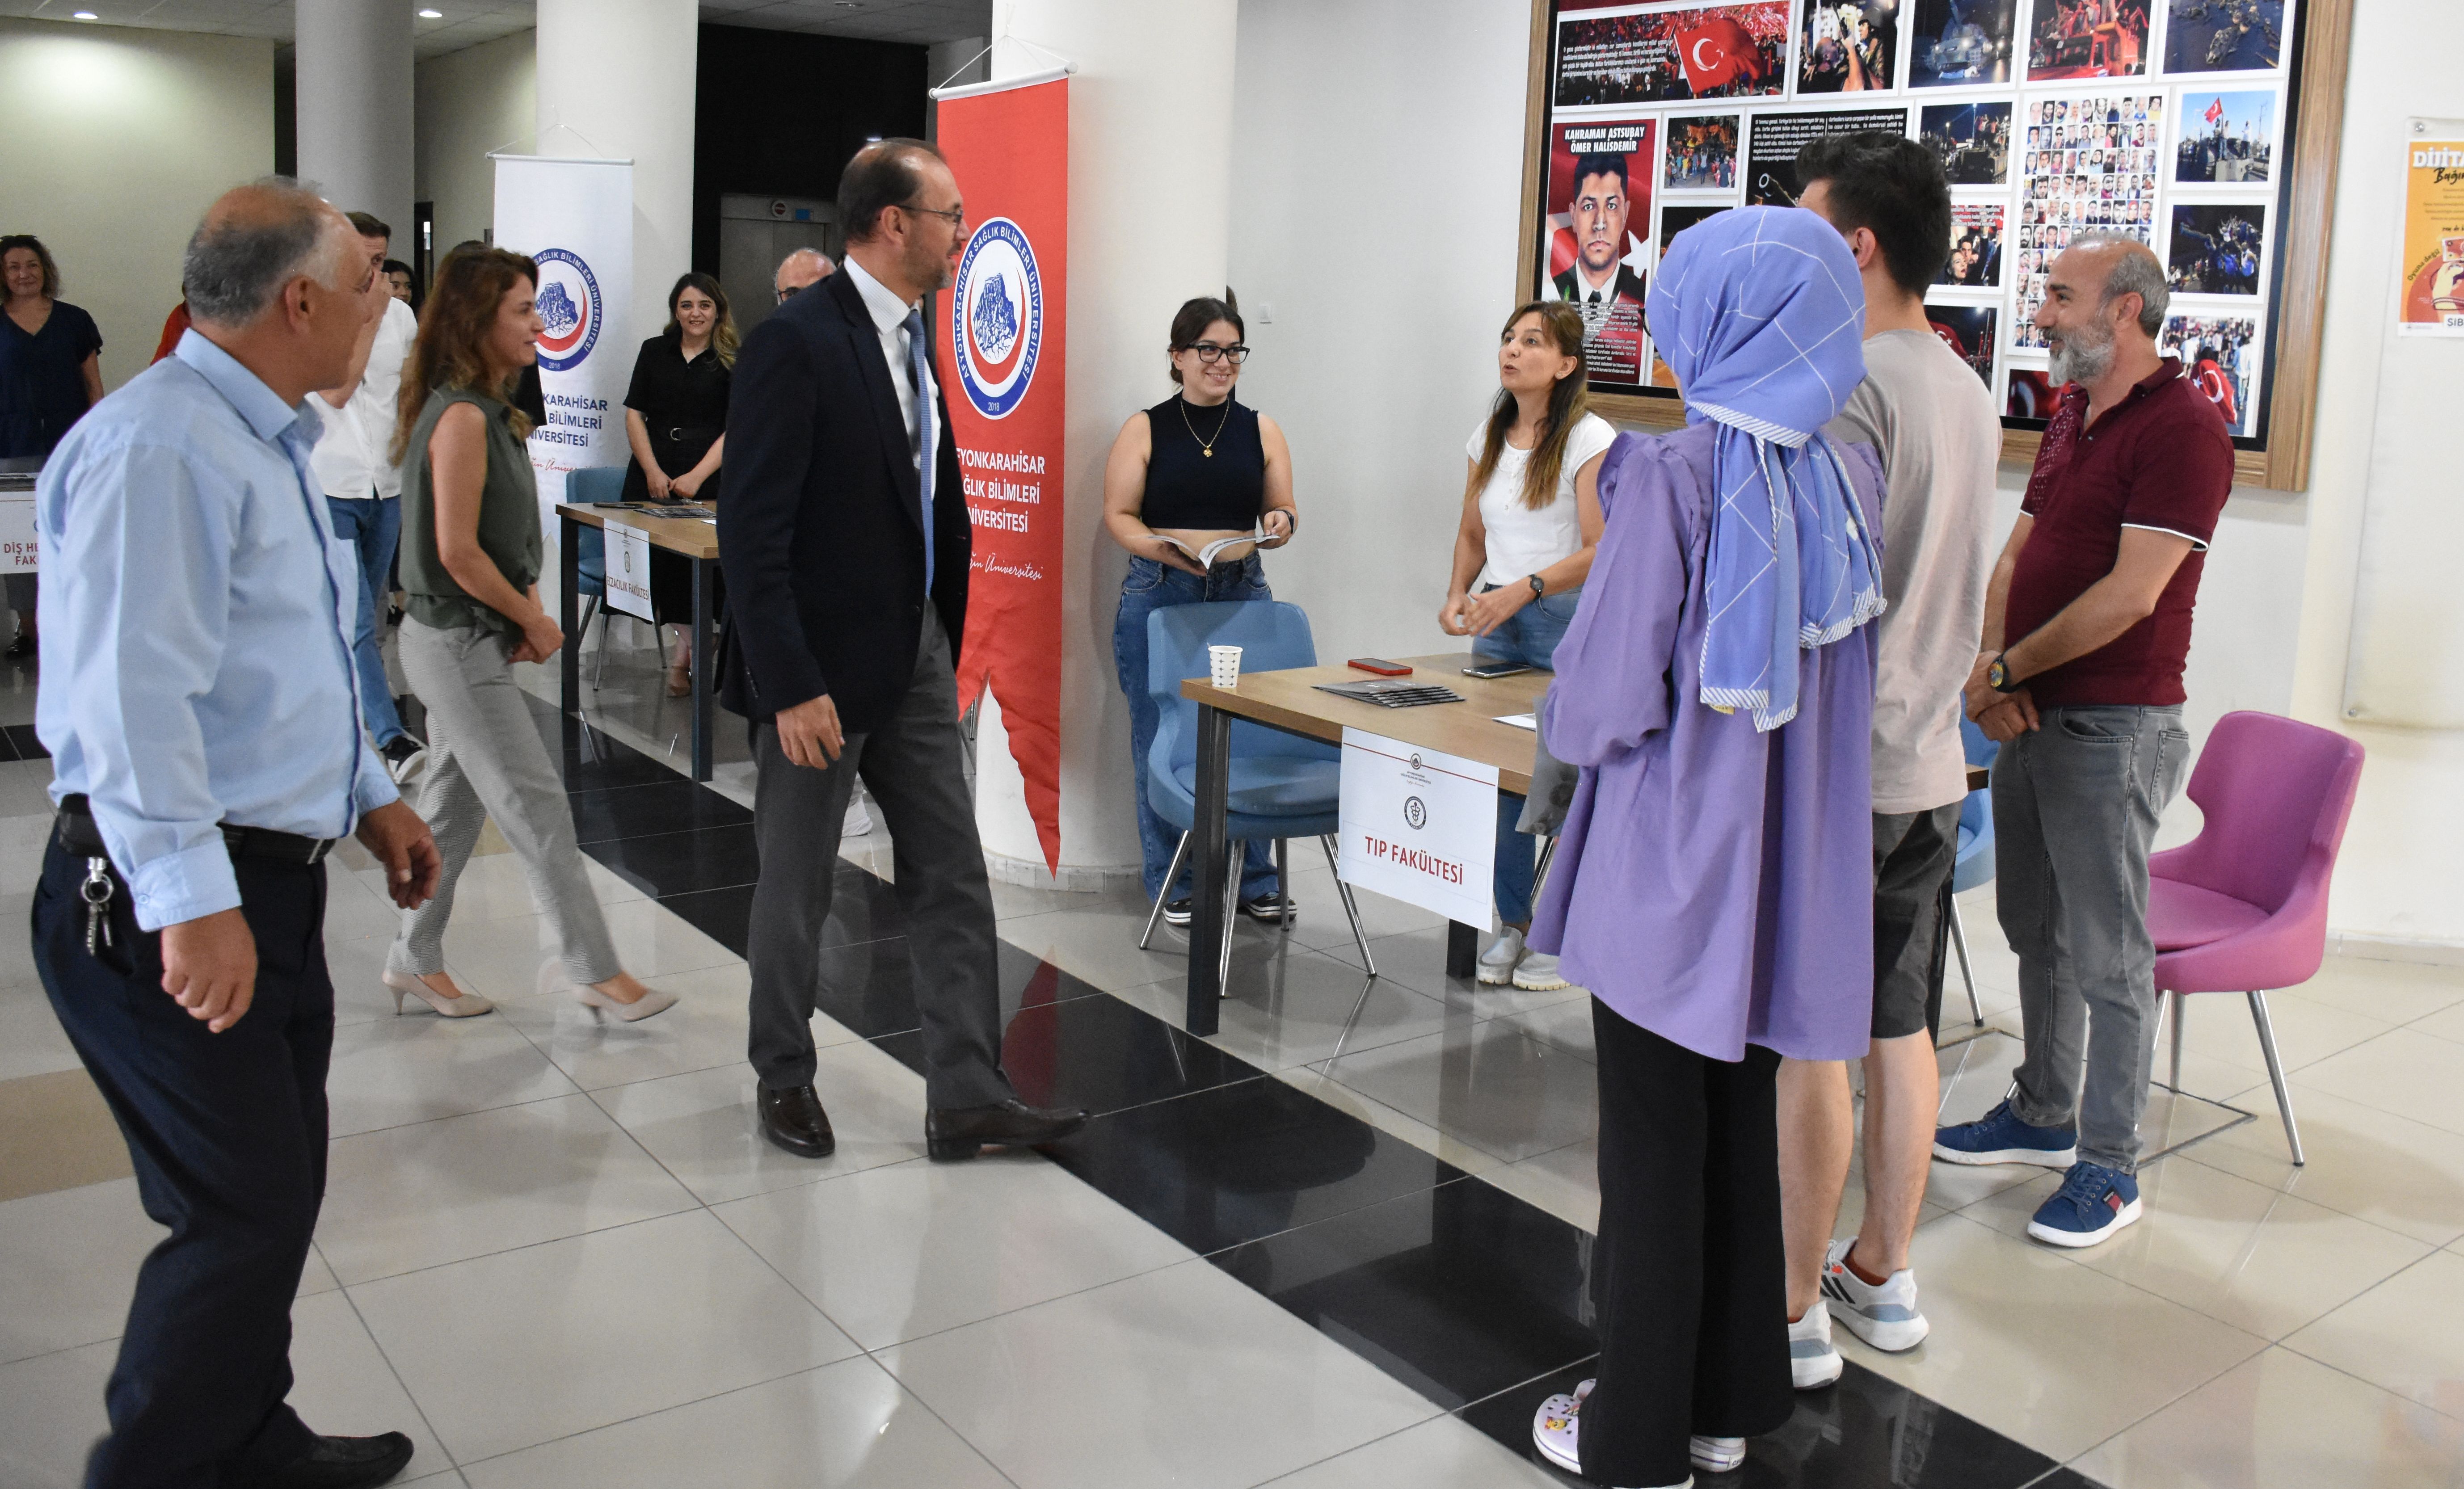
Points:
[(821, 537)]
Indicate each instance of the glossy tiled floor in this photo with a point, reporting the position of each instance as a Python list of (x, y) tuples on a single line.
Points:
[(1340, 1244)]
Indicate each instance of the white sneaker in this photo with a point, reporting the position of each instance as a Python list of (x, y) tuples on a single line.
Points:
[(858, 822), (1813, 1361), (1497, 964), (1537, 973), (1886, 1316), (1716, 1455)]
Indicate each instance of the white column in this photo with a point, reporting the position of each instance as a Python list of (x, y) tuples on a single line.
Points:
[(355, 121), (1150, 211), (616, 81)]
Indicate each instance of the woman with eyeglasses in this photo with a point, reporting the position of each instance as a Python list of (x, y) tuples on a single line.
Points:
[(1196, 468)]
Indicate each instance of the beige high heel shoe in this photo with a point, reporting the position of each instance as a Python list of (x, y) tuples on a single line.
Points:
[(469, 1005), (650, 1003)]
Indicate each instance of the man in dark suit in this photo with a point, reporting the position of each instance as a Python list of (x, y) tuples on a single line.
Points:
[(846, 551)]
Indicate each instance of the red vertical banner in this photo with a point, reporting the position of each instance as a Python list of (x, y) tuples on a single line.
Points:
[(1002, 352)]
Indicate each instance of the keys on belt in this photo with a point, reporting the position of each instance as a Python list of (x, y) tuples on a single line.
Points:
[(78, 833)]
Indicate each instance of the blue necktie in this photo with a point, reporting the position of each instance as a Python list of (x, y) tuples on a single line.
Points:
[(930, 438)]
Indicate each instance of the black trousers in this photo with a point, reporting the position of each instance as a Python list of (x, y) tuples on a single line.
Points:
[(914, 765), (1688, 1276), (227, 1135)]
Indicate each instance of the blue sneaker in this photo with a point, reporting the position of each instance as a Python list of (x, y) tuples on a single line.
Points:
[(2000, 1137), (2093, 1203)]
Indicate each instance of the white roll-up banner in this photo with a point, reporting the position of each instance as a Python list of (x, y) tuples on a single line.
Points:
[(576, 218)]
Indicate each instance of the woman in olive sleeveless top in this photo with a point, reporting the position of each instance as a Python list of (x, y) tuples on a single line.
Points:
[(471, 555)]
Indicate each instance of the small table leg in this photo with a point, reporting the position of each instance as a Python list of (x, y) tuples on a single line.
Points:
[(1463, 949), (705, 599), (568, 604), (1209, 927)]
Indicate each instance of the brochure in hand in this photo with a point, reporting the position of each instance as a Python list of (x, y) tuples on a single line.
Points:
[(1207, 555)]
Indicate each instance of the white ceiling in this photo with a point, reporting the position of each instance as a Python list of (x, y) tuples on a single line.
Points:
[(469, 22)]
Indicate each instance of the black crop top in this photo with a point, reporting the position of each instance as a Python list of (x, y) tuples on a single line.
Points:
[(1188, 488)]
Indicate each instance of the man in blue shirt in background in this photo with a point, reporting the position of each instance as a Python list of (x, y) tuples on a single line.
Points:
[(201, 708)]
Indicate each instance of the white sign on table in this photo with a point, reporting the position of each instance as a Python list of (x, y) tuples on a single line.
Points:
[(17, 534), (1419, 825), (629, 570)]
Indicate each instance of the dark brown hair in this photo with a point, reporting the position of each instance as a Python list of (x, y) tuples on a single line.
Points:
[(51, 268), (1568, 402), (884, 173), (366, 226), (1191, 321), (470, 288)]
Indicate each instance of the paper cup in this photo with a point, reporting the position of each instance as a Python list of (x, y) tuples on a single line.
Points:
[(1226, 661)]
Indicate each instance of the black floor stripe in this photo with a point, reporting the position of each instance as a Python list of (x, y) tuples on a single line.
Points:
[(1470, 1295)]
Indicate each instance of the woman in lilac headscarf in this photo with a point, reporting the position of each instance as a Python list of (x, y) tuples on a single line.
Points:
[(1713, 884)]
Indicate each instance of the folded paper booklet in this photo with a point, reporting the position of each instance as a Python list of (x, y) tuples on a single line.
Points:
[(663, 509), (1207, 556), (1393, 694)]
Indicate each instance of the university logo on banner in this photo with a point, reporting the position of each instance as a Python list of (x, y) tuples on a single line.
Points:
[(569, 309), (997, 317)]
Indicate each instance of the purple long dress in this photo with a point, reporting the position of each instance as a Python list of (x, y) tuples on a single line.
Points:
[(1714, 883)]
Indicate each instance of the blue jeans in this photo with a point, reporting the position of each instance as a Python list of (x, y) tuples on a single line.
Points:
[(372, 525), (1530, 637), (1150, 587)]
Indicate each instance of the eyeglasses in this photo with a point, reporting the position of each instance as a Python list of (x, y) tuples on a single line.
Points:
[(789, 293), (955, 216), (1210, 354)]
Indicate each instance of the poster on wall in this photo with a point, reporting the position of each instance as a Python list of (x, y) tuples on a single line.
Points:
[(2220, 357), (2227, 138), (2088, 38), (575, 219), (1975, 246), (2224, 35), (1593, 251), (1774, 139), (2431, 284), (2217, 250), (1701, 153), (1671, 56), (1969, 331), (2089, 165), (1957, 43), (1000, 355), (1972, 140), (1848, 46)]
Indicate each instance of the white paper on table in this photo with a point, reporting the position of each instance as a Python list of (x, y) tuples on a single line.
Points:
[(1419, 825), (1518, 722), (628, 566)]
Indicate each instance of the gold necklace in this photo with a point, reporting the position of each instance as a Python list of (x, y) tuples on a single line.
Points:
[(1205, 447)]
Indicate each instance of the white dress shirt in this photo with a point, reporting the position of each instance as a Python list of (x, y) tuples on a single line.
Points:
[(890, 320), (350, 456)]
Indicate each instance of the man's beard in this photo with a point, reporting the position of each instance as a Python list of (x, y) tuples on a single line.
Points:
[(2077, 362), (930, 270)]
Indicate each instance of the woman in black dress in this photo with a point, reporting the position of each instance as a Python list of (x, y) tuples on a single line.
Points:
[(51, 373), (675, 419)]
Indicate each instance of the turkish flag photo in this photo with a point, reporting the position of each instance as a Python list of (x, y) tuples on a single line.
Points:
[(1668, 57), (1718, 52)]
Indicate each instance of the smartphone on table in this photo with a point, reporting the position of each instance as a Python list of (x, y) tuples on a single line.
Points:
[(1381, 666), (1485, 670)]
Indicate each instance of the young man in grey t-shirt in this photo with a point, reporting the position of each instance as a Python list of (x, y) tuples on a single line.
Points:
[(1931, 418)]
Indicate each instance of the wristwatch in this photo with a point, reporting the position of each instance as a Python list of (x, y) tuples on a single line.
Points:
[(1997, 676), (1539, 588)]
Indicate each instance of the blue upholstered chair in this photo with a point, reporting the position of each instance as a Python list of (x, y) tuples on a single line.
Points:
[(593, 486), (1974, 865), (1282, 785)]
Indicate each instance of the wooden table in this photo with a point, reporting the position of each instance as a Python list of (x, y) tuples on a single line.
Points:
[(1289, 701), (688, 537)]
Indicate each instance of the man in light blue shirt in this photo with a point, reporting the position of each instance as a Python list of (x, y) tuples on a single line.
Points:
[(201, 708)]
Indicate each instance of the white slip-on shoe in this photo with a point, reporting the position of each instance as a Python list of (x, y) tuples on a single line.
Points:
[(1497, 964), (1883, 1316), (1537, 973), (1813, 1361), (1716, 1455), (1556, 1427)]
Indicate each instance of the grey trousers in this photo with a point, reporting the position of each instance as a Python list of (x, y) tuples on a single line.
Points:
[(2075, 808), (916, 768), (485, 758)]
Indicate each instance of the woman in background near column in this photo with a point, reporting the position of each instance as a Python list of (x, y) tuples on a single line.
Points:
[(1196, 468), (675, 419), (403, 280), (1530, 523), (1714, 885), (471, 552), (51, 373)]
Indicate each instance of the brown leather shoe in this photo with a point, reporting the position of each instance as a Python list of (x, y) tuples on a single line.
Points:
[(795, 1120), (951, 1135)]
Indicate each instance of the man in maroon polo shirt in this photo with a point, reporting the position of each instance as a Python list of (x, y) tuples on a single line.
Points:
[(2087, 625)]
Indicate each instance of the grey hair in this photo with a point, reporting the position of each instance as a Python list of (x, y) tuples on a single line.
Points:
[(234, 269), (2135, 271), (829, 267)]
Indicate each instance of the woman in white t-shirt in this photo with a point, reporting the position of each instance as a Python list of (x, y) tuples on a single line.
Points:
[(1530, 523)]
